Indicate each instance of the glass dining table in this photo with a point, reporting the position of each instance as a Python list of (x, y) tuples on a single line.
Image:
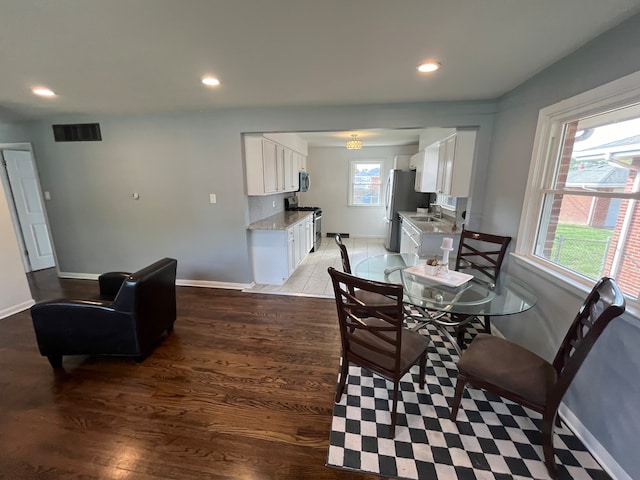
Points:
[(447, 300)]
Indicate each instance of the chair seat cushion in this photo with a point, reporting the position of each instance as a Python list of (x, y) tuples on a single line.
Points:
[(508, 366), (372, 298), (413, 345)]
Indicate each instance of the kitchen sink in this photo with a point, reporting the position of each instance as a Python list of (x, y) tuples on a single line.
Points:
[(423, 219)]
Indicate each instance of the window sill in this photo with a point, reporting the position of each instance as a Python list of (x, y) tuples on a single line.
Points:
[(571, 283)]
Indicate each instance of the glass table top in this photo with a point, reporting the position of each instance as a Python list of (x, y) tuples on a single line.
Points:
[(478, 296)]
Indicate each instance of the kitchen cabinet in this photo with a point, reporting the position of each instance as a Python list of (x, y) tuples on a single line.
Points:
[(302, 161), (409, 238), (291, 162), (446, 166), (264, 166), (270, 167), (455, 164), (402, 162), (277, 253), (427, 169)]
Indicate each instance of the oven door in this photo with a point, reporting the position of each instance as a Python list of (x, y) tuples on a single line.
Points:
[(317, 228)]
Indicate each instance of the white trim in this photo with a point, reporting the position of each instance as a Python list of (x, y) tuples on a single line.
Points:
[(6, 312), (590, 442), (547, 143), (212, 284), (179, 282), (79, 276), (572, 283), (352, 174)]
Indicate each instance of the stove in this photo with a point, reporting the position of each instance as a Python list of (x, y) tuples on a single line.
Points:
[(291, 204)]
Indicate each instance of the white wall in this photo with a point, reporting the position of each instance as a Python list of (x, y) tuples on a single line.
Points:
[(14, 289), (604, 395), (174, 161), (329, 171)]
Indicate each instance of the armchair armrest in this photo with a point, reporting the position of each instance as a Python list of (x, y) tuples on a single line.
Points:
[(66, 308), (111, 282), (73, 327)]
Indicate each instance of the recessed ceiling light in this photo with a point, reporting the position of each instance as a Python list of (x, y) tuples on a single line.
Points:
[(211, 81), (428, 67), (43, 92)]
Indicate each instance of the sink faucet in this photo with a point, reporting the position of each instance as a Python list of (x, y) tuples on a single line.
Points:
[(438, 214)]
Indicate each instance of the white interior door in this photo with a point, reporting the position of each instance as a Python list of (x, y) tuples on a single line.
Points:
[(28, 201)]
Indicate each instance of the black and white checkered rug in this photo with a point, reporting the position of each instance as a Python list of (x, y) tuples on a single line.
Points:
[(491, 439)]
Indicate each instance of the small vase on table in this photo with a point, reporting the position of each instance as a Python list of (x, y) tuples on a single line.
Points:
[(446, 247)]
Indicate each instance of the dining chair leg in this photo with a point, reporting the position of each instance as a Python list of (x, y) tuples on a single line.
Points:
[(487, 324), (547, 446), (394, 408), (344, 371), (423, 370), (457, 398), (460, 332)]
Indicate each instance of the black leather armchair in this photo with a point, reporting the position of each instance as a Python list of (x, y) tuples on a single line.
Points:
[(128, 318)]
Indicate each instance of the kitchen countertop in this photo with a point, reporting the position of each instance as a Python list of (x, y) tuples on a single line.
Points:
[(437, 226), (279, 221)]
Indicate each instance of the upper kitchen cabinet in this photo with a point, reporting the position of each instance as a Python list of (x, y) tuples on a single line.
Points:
[(445, 166), (291, 170), (455, 163), (426, 162), (271, 167), (265, 166)]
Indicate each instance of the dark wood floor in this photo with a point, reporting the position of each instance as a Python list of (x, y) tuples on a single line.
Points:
[(243, 388)]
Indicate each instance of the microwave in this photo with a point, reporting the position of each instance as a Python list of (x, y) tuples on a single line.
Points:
[(305, 182)]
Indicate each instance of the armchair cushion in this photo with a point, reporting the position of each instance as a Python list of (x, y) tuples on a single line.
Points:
[(131, 323)]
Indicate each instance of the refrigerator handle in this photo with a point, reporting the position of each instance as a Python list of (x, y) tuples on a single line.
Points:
[(387, 200)]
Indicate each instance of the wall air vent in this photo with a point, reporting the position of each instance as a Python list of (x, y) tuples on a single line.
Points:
[(78, 132)]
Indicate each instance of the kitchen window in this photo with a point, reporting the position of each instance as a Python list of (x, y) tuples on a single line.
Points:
[(581, 217), (365, 186)]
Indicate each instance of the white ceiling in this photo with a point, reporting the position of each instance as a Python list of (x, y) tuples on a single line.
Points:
[(147, 56)]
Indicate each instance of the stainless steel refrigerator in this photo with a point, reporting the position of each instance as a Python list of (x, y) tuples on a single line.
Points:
[(400, 196)]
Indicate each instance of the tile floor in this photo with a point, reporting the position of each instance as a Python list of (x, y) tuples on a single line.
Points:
[(311, 277)]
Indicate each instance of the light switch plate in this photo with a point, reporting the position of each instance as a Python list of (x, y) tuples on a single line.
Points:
[(212, 198)]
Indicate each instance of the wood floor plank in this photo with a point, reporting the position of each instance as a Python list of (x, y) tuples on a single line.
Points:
[(243, 388)]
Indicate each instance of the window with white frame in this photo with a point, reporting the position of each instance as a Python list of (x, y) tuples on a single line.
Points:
[(581, 218), (365, 187)]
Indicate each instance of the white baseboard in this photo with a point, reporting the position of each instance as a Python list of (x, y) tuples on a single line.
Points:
[(592, 444), (79, 276), (180, 282), (5, 312), (211, 284)]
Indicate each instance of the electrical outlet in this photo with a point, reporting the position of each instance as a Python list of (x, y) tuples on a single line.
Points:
[(273, 204)]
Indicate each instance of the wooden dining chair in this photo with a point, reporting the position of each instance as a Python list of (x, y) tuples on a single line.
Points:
[(483, 253), (363, 295), (515, 373), (373, 335)]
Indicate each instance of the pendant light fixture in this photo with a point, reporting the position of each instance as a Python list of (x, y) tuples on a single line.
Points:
[(354, 143)]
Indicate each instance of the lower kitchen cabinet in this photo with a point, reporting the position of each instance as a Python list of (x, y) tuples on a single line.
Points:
[(277, 253), (409, 238)]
